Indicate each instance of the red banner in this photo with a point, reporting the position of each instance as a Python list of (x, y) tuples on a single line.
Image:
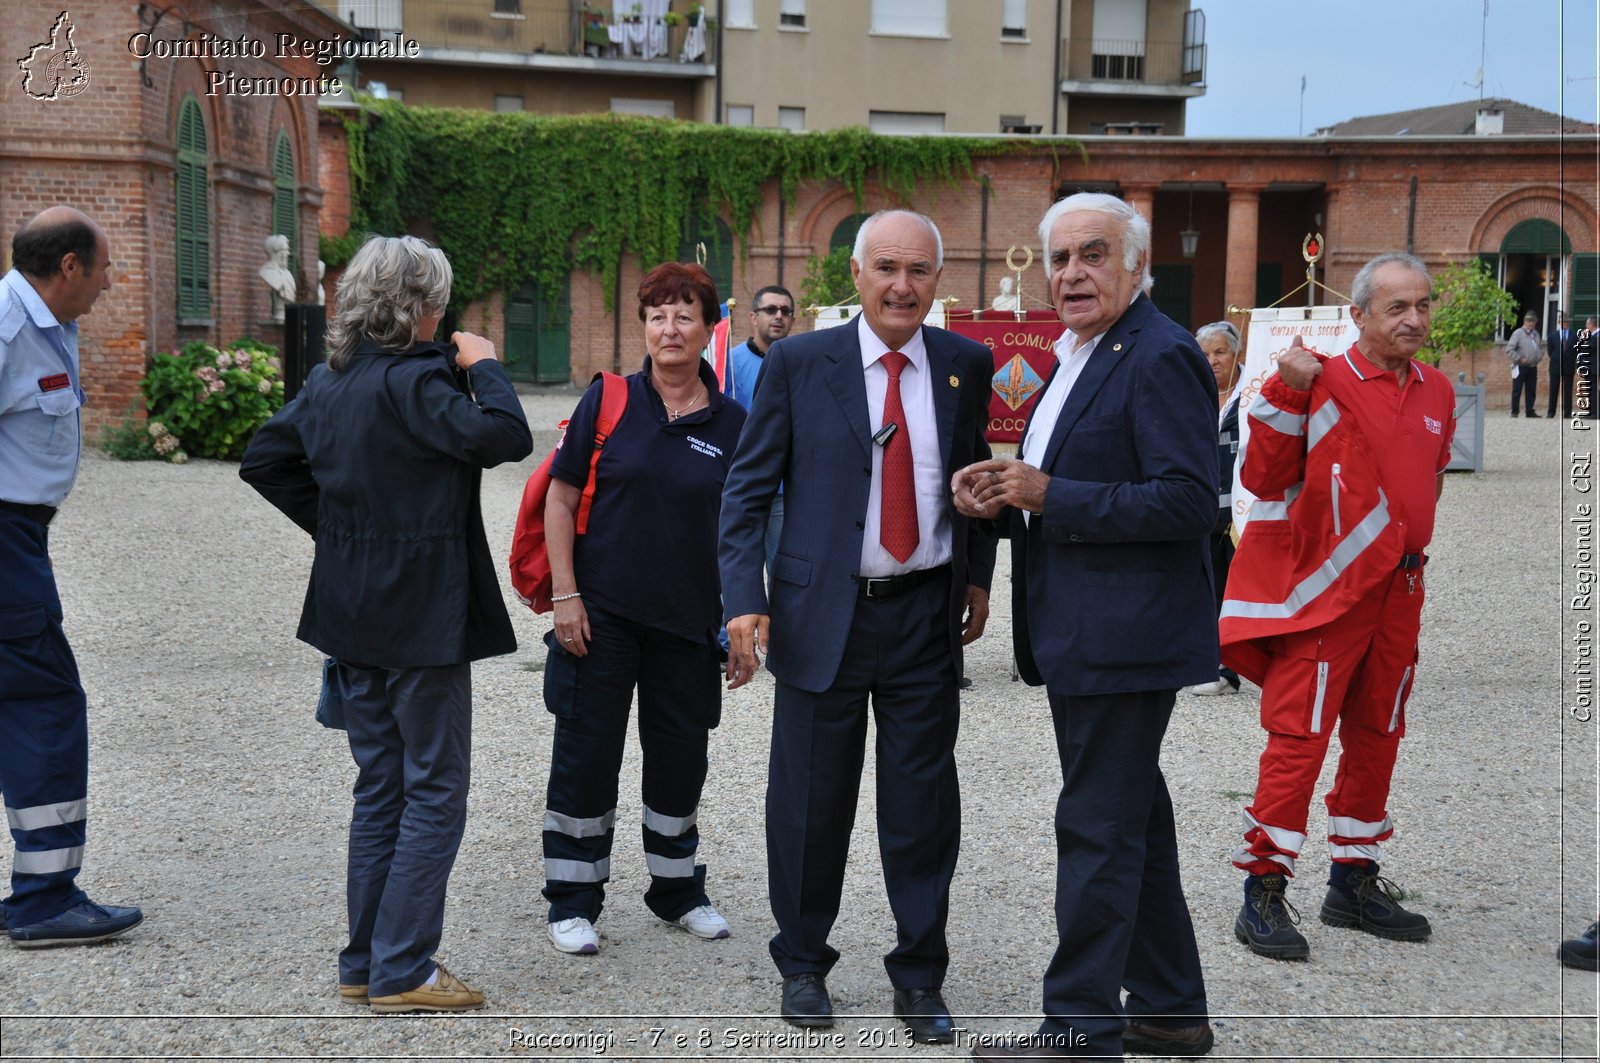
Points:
[(1024, 355)]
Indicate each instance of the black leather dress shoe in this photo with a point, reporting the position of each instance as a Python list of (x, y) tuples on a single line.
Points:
[(1147, 1040), (924, 1013), (805, 1000)]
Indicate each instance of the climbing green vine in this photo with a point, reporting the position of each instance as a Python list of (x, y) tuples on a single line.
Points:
[(516, 196)]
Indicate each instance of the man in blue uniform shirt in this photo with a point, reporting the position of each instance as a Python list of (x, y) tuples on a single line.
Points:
[(61, 265)]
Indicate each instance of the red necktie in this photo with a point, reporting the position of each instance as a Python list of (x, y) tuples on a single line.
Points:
[(897, 517)]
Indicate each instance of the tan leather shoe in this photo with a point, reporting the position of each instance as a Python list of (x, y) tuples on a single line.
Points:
[(447, 993), (352, 994)]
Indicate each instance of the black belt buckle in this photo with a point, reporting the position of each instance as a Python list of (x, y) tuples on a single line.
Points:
[(877, 588), (1410, 561)]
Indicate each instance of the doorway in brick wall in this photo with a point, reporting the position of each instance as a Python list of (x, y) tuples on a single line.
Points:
[(538, 347), (1532, 266)]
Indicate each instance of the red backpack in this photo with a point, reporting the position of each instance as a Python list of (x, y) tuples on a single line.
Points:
[(530, 556)]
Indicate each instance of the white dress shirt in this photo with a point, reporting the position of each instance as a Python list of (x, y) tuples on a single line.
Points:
[(916, 395), (1070, 361)]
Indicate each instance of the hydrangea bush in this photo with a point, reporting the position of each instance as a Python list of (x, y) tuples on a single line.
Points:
[(207, 403)]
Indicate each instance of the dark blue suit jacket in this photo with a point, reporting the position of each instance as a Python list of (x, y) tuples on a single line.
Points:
[(1560, 353), (809, 430), (1113, 580)]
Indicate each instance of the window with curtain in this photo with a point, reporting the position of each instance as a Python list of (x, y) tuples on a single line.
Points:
[(792, 13), (741, 114), (285, 217), (792, 118), (910, 18), (741, 13), (905, 122), (1013, 18), (193, 215)]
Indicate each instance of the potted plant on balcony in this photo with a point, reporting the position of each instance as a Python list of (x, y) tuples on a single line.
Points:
[(694, 14), (635, 14), (672, 19)]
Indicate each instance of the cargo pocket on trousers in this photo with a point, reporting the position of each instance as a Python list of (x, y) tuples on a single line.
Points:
[(561, 679)]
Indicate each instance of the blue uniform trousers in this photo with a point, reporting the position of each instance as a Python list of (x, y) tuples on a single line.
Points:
[(680, 701), (410, 733), (44, 730)]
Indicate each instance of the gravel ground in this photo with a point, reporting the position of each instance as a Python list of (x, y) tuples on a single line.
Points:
[(221, 808)]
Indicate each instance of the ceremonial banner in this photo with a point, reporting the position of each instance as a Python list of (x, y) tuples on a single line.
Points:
[(1024, 355), (1325, 330)]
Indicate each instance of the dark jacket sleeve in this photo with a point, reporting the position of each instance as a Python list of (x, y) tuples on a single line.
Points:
[(275, 465), (982, 535), (758, 466), (485, 428)]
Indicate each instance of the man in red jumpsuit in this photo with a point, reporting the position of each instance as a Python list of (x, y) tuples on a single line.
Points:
[(1324, 602)]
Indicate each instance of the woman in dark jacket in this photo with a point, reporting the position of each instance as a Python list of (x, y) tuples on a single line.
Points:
[(379, 458), (637, 604)]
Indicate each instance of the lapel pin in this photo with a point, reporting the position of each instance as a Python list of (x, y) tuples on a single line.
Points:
[(955, 381), (1116, 346)]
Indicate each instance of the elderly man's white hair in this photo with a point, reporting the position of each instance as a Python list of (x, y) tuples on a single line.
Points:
[(859, 253), (1135, 229), (1361, 287)]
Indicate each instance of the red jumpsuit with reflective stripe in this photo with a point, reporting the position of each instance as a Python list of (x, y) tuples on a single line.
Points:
[(1317, 611)]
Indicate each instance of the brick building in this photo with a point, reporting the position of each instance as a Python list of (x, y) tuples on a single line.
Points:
[(187, 173), (1527, 203)]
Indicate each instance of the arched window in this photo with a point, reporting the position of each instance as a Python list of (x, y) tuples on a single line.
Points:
[(712, 231), (193, 217), (285, 219), (844, 234)]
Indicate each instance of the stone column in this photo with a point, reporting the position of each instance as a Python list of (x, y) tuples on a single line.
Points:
[(1244, 219), (1141, 198)]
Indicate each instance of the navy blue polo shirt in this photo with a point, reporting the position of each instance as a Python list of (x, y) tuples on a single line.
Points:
[(650, 554)]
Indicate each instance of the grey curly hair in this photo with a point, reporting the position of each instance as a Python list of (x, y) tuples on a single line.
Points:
[(391, 284)]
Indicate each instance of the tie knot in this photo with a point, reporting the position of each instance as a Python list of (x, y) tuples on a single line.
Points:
[(894, 362)]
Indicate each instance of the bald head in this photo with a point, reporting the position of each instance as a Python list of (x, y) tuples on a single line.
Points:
[(64, 255)]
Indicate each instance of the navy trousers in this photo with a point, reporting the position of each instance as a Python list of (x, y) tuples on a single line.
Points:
[(680, 701), (898, 655), (410, 733), (44, 730), (1526, 383), (1121, 918)]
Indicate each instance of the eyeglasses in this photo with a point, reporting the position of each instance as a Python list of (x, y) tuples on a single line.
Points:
[(780, 311)]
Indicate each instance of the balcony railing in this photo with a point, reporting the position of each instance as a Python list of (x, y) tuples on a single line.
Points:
[(1145, 62), (543, 27)]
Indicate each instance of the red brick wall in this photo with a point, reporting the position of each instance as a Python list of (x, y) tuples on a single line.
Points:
[(110, 151)]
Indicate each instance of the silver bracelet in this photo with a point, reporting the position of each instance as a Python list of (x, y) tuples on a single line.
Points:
[(565, 597)]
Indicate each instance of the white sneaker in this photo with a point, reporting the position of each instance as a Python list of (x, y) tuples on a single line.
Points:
[(576, 935), (704, 922), (1217, 686)]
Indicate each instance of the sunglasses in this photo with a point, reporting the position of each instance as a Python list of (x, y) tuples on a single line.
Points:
[(781, 311)]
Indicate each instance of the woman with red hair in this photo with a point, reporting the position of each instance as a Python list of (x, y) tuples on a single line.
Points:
[(637, 606)]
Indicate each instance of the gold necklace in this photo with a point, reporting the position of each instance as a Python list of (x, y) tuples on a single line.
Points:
[(673, 414)]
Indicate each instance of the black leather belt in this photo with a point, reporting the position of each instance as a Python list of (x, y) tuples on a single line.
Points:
[(40, 514), (878, 588), (1412, 561)]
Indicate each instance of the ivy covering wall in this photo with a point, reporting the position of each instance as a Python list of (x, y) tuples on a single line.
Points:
[(514, 196)]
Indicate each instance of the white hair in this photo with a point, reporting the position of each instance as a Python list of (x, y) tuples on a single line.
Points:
[(1225, 329), (1135, 229), (1361, 287), (859, 253), (391, 284)]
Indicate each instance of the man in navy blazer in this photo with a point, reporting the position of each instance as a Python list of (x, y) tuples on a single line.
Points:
[(863, 424), (1108, 508), (1563, 365)]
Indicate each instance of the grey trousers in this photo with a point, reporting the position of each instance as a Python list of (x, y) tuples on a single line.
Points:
[(410, 733)]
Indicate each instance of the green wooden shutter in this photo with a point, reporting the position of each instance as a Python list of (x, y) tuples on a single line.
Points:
[(712, 231), (193, 216), (285, 218), (1585, 288)]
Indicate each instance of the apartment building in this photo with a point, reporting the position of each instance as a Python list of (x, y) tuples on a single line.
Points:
[(896, 66)]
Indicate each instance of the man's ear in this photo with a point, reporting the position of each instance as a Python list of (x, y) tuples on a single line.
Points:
[(855, 273)]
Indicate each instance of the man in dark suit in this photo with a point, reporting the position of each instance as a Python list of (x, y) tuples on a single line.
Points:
[(863, 424), (1562, 366), (1109, 507)]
